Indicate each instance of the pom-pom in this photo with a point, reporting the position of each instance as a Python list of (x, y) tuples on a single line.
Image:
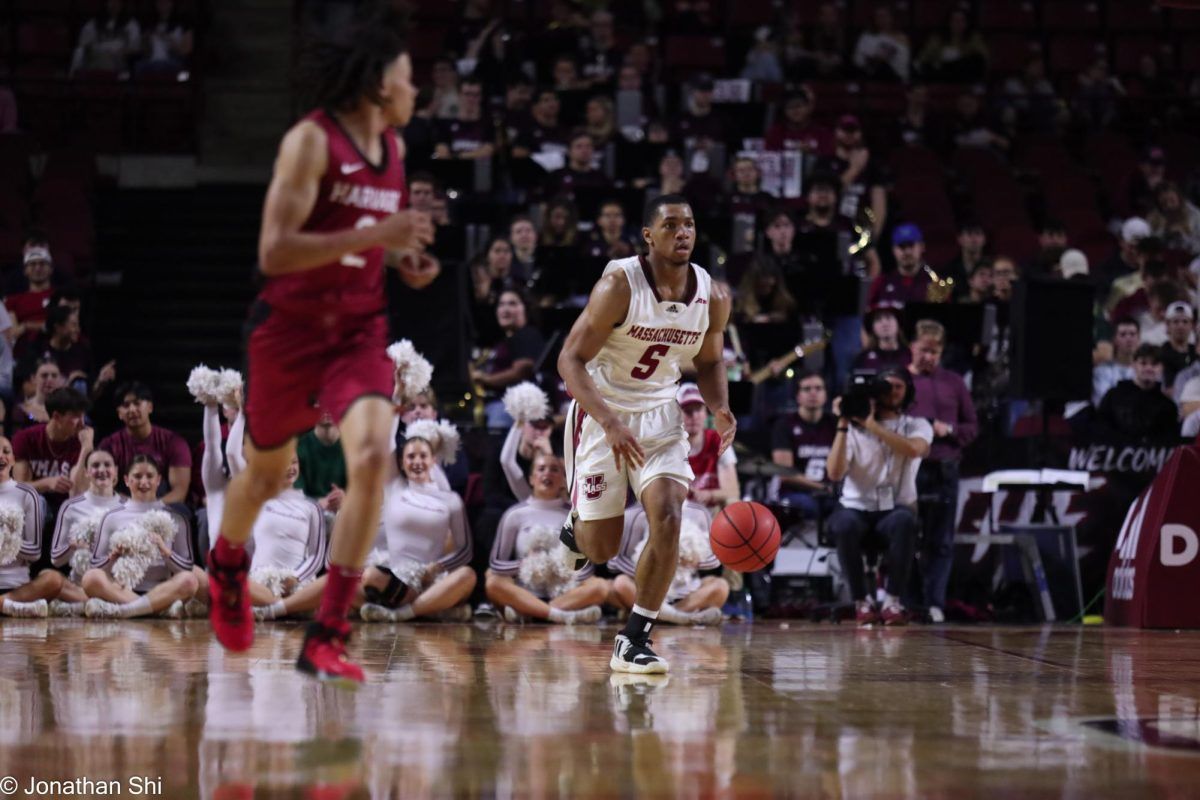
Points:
[(136, 548), (377, 558), (543, 568), (279, 581), (525, 402), (82, 536), (205, 385), (12, 530), (413, 573), (442, 436), (229, 383), (415, 370)]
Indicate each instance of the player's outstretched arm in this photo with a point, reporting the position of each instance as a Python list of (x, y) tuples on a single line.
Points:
[(605, 310), (711, 377), (284, 248)]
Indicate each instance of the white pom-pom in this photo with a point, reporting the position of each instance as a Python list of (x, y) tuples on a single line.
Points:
[(82, 536), (449, 439), (229, 383), (443, 437), (279, 581), (377, 558), (415, 370), (694, 545), (204, 383), (12, 530), (543, 568), (412, 573), (525, 402), (136, 546)]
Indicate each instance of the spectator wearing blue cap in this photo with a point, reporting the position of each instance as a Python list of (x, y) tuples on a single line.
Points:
[(910, 281)]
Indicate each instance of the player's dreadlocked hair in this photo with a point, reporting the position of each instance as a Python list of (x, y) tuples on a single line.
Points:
[(338, 68)]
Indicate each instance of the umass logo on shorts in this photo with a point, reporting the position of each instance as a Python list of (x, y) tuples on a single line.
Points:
[(594, 486)]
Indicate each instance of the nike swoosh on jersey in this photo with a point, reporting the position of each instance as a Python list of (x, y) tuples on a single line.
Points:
[(347, 169)]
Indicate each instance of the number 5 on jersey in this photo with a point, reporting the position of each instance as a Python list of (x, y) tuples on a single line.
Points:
[(649, 361)]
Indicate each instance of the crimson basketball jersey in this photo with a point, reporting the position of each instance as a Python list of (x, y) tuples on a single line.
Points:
[(354, 193)]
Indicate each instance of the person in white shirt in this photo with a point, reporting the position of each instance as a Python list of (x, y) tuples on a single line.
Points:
[(97, 500), (878, 457), (21, 545), (167, 583)]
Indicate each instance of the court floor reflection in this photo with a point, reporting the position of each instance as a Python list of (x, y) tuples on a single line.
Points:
[(533, 711)]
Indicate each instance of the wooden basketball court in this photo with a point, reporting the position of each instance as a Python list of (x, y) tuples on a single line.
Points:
[(763, 710)]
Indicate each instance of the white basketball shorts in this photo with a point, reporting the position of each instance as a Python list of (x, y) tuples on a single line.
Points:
[(598, 488)]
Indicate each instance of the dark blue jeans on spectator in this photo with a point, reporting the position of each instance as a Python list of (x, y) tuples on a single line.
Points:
[(810, 505), (937, 486), (898, 528)]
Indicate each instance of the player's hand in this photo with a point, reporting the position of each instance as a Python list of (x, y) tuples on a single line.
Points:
[(417, 270), (726, 425), (406, 230), (624, 445)]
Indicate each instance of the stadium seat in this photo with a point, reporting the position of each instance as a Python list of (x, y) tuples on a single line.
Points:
[(1126, 17), (1018, 241), (687, 53), (1183, 153), (1074, 54), (1007, 15), (930, 15), (1128, 51), (15, 152), (1184, 20), (916, 160), (1008, 52), (44, 39), (1046, 157), (434, 10), (863, 14), (751, 13), (1070, 16), (1189, 54)]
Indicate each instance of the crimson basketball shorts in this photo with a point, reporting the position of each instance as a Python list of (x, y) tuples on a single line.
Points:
[(299, 368)]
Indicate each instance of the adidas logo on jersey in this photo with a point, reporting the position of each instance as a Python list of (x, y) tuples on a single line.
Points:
[(672, 309)]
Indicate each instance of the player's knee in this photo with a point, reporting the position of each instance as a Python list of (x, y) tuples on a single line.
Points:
[(466, 578), (263, 484), (598, 590), (367, 461), (719, 591)]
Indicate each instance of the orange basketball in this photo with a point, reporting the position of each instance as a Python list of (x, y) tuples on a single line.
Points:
[(745, 536)]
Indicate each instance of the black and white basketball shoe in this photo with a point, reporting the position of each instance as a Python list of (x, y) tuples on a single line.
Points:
[(635, 655)]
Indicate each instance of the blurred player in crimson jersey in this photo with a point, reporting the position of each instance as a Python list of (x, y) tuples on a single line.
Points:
[(316, 335)]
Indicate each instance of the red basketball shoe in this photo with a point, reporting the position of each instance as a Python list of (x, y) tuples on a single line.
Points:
[(324, 655), (229, 602)]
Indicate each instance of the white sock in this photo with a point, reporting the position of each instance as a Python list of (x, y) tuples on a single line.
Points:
[(891, 601), (12, 606), (136, 608), (645, 612), (274, 610), (557, 615), (403, 613), (668, 613)]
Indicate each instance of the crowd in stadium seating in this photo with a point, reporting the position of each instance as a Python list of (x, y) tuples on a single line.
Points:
[(871, 173)]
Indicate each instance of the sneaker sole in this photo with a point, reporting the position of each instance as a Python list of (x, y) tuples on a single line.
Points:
[(339, 681), (655, 668)]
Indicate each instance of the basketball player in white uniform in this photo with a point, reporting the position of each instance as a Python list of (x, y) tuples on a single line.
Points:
[(647, 318)]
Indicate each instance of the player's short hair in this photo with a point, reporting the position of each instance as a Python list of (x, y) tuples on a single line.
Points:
[(337, 69), (67, 401), (652, 207)]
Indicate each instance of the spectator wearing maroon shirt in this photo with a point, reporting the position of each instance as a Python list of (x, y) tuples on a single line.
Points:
[(31, 410), (910, 281), (863, 179), (30, 306), (63, 342), (716, 482), (886, 346), (797, 131), (579, 173), (942, 398), (47, 453), (135, 404), (700, 122), (747, 203), (802, 442), (468, 134), (542, 131)]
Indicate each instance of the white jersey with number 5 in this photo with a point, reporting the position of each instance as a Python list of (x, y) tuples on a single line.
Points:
[(639, 367)]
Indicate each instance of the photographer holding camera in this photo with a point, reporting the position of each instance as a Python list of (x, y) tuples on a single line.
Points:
[(878, 450)]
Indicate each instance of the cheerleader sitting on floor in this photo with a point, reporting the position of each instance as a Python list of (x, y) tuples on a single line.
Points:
[(142, 559), (527, 575), (76, 527), (21, 545)]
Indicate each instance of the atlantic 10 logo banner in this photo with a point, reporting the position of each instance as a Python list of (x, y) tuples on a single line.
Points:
[(1155, 567)]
